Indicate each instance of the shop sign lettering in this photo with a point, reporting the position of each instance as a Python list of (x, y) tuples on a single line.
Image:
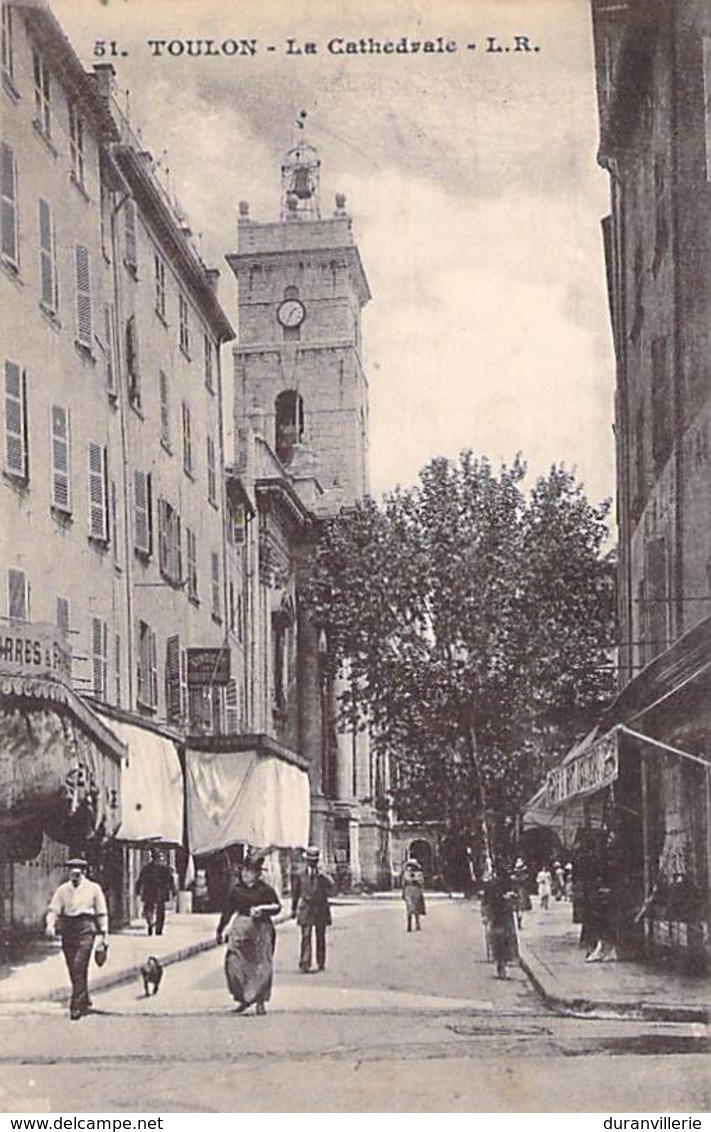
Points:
[(34, 650), (590, 771)]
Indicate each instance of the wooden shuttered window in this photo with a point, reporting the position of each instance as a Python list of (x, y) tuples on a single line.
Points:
[(18, 595), (209, 363), (176, 689), (8, 206), (49, 296), (184, 325), (187, 440), (83, 293), (118, 695), (132, 361), (130, 242), (76, 142), (147, 667), (61, 478), (232, 716), (63, 616), (43, 103), (215, 586), (191, 558), (160, 285), (98, 493), (17, 461), (164, 409), (211, 472), (99, 657), (109, 361), (170, 554), (142, 513)]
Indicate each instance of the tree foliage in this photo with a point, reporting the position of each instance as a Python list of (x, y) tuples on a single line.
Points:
[(472, 622)]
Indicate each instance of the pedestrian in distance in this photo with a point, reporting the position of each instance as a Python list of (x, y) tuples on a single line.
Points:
[(78, 912), (413, 893), (311, 909), (155, 885), (544, 882), (558, 881), (519, 876), (251, 937), (498, 904)]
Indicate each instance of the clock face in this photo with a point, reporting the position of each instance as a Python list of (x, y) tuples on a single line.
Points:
[(291, 312)]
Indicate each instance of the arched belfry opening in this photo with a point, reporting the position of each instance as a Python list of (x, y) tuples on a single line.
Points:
[(301, 184), (289, 423)]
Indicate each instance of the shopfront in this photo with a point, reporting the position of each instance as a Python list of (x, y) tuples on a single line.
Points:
[(60, 774)]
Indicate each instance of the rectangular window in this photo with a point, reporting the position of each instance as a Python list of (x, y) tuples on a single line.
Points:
[(209, 359), (174, 683), (43, 105), (164, 410), (98, 494), (99, 650), (130, 249), (707, 102), (192, 571), (48, 259), (118, 696), (211, 472), (160, 286), (61, 477), (238, 526), (7, 45), (110, 369), (132, 363), (18, 595), (142, 513), (63, 616), (76, 142), (8, 176), (115, 525), (184, 325), (187, 440), (147, 667), (170, 550), (17, 460), (232, 720), (215, 579), (83, 285)]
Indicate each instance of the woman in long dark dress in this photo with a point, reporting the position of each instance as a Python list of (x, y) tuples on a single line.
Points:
[(251, 938), (498, 902)]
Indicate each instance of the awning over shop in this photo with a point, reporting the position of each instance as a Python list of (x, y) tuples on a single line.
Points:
[(587, 769), (245, 796), (59, 771), (151, 786)]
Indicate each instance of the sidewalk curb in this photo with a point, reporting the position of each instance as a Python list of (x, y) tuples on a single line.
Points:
[(538, 975), (126, 974)]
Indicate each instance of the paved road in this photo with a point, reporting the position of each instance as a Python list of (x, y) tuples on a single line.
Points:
[(397, 1023)]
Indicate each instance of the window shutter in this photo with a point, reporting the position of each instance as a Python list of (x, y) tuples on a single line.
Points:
[(173, 690), (18, 595), (162, 536), (63, 616), (99, 643), (117, 669), (8, 177), (114, 524), (142, 512), (215, 585), (98, 511), (16, 455), (130, 228), (164, 409), (211, 478), (153, 668), (60, 458), (48, 281), (187, 439), (132, 366), (231, 707), (83, 282), (109, 348)]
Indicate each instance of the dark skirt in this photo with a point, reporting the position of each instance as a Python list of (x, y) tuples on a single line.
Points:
[(249, 959)]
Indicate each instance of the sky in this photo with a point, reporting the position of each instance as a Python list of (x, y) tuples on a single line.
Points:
[(471, 179)]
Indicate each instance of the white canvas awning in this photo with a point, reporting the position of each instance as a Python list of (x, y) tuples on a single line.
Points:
[(151, 786), (243, 796)]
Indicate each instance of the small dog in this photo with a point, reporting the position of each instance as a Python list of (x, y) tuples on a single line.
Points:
[(151, 973)]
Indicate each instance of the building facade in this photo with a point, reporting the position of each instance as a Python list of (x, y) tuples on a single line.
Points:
[(653, 68)]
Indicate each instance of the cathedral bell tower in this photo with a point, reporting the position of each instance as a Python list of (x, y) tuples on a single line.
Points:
[(298, 364)]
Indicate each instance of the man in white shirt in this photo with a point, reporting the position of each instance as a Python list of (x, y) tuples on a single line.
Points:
[(80, 907)]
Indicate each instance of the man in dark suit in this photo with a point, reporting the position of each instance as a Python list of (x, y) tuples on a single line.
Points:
[(311, 910), (155, 885)]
